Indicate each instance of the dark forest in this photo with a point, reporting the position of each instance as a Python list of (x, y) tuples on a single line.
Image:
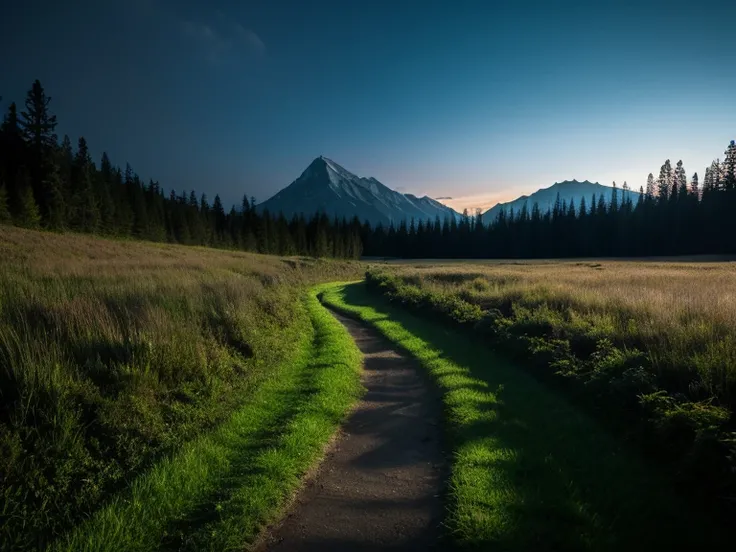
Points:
[(49, 184)]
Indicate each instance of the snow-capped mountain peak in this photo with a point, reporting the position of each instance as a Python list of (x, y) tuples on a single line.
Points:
[(567, 191), (328, 187)]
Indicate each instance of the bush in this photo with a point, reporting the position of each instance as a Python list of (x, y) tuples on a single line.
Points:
[(600, 369)]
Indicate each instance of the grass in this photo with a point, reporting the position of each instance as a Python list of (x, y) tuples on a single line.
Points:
[(529, 470), (158, 397), (647, 346), (219, 491), (681, 315), (116, 357)]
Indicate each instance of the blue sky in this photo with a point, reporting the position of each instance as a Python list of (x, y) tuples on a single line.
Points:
[(481, 101)]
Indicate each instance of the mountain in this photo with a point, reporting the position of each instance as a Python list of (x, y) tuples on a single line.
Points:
[(568, 190), (327, 187)]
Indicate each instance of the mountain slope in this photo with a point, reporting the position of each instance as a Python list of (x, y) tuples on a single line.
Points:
[(325, 186), (568, 190)]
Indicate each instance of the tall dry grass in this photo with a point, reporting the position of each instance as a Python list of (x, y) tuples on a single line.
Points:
[(648, 347), (681, 315), (113, 353)]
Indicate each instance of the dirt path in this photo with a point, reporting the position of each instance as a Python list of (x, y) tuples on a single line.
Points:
[(379, 486)]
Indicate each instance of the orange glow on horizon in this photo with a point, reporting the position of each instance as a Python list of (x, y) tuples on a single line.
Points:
[(482, 201)]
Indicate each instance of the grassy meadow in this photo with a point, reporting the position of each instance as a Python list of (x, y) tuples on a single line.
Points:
[(648, 346), (529, 469), (162, 397), (131, 373)]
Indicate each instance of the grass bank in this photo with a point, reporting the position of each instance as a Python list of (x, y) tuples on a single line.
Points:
[(219, 491), (529, 470), (114, 356), (646, 346)]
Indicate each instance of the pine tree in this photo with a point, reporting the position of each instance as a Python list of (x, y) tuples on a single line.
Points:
[(729, 167), (86, 214), (285, 241), (13, 150), (664, 182), (614, 199), (708, 180), (245, 219), (194, 221), (557, 207), (626, 201), (583, 211), (651, 189), (681, 180), (56, 217), (674, 192), (678, 177), (263, 238), (65, 164), (103, 195), (694, 186), (37, 123), (154, 203), (299, 230), (38, 127), (601, 205), (28, 215), (5, 217), (220, 221), (715, 174), (137, 201), (322, 245), (123, 210)]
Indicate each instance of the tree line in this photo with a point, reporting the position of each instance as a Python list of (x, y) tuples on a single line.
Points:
[(674, 215), (47, 184), (50, 185)]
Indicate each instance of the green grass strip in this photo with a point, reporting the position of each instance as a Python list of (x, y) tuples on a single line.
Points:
[(221, 489), (529, 471)]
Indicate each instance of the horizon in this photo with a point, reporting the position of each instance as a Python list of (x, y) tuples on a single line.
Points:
[(449, 201), (479, 102)]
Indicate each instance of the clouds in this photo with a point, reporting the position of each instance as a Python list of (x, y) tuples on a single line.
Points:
[(224, 40), (250, 38)]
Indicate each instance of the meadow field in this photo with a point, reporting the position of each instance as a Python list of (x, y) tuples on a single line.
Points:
[(530, 469), (164, 397), (116, 356), (649, 346)]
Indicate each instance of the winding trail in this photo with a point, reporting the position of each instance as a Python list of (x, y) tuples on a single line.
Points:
[(380, 485)]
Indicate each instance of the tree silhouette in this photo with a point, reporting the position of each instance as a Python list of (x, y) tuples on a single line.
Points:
[(43, 183), (38, 126), (5, 217)]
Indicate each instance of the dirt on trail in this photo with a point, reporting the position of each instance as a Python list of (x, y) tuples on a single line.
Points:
[(380, 485)]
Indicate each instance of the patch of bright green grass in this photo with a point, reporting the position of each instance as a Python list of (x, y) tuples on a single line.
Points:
[(219, 490), (116, 354), (529, 471)]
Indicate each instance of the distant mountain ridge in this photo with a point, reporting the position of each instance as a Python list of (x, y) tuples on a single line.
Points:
[(325, 186), (569, 190)]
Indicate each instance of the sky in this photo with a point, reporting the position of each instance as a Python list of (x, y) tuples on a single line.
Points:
[(478, 101)]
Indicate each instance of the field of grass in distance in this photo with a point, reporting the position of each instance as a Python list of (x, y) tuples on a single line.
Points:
[(116, 354), (530, 471)]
